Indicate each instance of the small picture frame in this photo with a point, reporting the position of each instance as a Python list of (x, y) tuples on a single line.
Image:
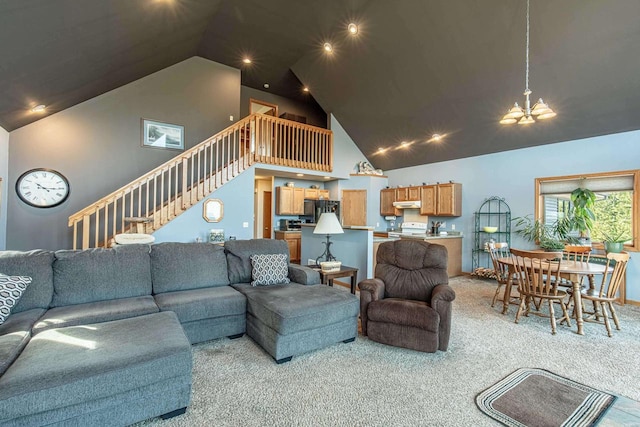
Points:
[(162, 135)]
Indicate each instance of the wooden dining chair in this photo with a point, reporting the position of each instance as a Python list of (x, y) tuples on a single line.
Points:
[(501, 271), (609, 286), (574, 253), (538, 274)]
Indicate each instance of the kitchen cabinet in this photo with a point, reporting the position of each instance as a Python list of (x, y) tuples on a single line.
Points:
[(316, 194), (387, 197), (404, 194), (289, 201), (354, 207), (293, 239), (441, 199)]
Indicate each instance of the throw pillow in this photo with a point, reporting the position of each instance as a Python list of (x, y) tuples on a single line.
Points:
[(11, 289), (269, 269)]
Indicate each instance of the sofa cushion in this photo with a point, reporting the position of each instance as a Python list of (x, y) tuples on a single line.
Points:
[(269, 269), (182, 266), (239, 255), (416, 314), (11, 289), (95, 312), (292, 308), (37, 265), (81, 364), (198, 304), (15, 334), (101, 274)]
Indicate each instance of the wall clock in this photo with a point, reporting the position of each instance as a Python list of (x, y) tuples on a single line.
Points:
[(42, 188)]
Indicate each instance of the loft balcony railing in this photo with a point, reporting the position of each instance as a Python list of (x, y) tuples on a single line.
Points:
[(154, 199)]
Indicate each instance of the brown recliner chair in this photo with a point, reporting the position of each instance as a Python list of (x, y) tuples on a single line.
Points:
[(408, 303)]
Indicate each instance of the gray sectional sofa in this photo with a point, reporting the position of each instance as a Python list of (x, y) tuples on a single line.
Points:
[(103, 336)]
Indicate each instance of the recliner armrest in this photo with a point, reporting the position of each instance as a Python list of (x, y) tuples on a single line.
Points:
[(441, 299), (303, 275), (370, 290), (442, 293)]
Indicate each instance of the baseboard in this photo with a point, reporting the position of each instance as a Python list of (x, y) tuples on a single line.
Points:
[(632, 302)]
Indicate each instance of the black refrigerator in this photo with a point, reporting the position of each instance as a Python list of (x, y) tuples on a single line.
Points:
[(314, 208)]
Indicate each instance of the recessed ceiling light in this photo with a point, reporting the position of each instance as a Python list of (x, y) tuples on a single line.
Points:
[(39, 108), (353, 29), (247, 60), (404, 144), (327, 177), (436, 137), (328, 47), (266, 85), (299, 174), (381, 150), (305, 89)]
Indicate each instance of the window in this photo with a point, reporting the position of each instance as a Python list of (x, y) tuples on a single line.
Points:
[(616, 207)]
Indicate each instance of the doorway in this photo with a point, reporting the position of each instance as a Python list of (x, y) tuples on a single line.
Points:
[(262, 107), (266, 215)]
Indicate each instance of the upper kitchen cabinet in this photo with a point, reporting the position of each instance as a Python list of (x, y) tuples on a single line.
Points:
[(405, 194), (387, 197), (354, 207), (289, 201), (316, 194), (441, 199)]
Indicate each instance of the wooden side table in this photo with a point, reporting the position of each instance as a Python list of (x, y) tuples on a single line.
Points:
[(326, 277)]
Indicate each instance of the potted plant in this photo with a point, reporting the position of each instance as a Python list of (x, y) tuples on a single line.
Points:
[(614, 239), (549, 237), (581, 216)]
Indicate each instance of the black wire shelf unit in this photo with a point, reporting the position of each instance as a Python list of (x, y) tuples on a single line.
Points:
[(494, 212)]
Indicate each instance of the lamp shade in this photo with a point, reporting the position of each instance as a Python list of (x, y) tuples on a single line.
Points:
[(328, 224)]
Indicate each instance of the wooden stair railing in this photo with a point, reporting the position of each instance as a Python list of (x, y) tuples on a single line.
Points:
[(173, 187)]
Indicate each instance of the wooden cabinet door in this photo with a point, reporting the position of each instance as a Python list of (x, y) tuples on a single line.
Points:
[(284, 200), (323, 194), (297, 201), (294, 249), (450, 199), (354, 207), (387, 197), (311, 193), (413, 193), (428, 199), (402, 194)]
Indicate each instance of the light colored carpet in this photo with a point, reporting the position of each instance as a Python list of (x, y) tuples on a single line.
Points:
[(369, 384)]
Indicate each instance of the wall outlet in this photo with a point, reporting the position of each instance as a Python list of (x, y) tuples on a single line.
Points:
[(377, 224), (230, 118), (245, 225), (453, 226)]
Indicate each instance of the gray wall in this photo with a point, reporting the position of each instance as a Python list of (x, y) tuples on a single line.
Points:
[(4, 187), (96, 144), (311, 110)]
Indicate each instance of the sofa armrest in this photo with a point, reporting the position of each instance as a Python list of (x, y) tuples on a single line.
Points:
[(303, 275), (441, 299), (370, 290)]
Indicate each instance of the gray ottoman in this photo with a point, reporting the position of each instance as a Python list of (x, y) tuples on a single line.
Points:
[(111, 373), (288, 320)]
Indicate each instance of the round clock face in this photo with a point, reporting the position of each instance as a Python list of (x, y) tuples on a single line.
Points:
[(42, 188)]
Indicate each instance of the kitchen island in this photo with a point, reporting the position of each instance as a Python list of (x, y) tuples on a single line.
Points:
[(453, 243)]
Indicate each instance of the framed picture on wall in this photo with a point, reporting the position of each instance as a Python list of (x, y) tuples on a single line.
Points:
[(162, 135)]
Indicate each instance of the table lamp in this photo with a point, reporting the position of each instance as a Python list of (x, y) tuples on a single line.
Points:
[(327, 224)]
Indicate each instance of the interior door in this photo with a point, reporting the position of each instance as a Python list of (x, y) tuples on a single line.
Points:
[(266, 215)]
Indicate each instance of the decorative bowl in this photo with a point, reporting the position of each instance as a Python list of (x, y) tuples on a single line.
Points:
[(330, 266), (490, 229)]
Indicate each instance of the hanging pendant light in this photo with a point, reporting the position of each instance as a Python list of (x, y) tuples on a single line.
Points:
[(525, 116)]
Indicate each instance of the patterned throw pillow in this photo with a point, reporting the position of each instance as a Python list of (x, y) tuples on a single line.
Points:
[(271, 269), (11, 289)]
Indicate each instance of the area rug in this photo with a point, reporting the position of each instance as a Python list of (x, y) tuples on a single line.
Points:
[(535, 398)]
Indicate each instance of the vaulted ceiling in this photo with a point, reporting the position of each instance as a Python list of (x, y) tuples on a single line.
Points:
[(417, 67)]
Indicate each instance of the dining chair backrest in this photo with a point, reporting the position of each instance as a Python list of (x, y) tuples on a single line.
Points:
[(577, 253), (496, 251), (612, 280), (538, 272)]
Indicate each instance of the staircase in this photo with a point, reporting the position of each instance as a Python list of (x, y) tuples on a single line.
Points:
[(164, 193)]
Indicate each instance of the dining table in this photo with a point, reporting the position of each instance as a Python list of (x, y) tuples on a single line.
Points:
[(570, 269)]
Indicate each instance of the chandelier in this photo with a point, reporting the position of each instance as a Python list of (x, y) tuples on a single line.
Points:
[(527, 115)]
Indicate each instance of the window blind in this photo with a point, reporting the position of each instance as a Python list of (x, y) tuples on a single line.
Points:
[(596, 184)]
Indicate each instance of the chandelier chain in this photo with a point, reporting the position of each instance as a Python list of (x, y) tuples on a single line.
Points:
[(527, 53)]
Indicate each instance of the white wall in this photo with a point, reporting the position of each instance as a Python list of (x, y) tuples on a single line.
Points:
[(4, 185), (511, 175)]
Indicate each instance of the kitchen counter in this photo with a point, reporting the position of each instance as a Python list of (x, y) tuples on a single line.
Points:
[(347, 227)]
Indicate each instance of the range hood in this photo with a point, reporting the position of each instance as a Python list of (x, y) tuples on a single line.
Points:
[(411, 204)]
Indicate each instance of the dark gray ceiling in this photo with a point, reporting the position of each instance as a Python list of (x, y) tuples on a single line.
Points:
[(418, 67)]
